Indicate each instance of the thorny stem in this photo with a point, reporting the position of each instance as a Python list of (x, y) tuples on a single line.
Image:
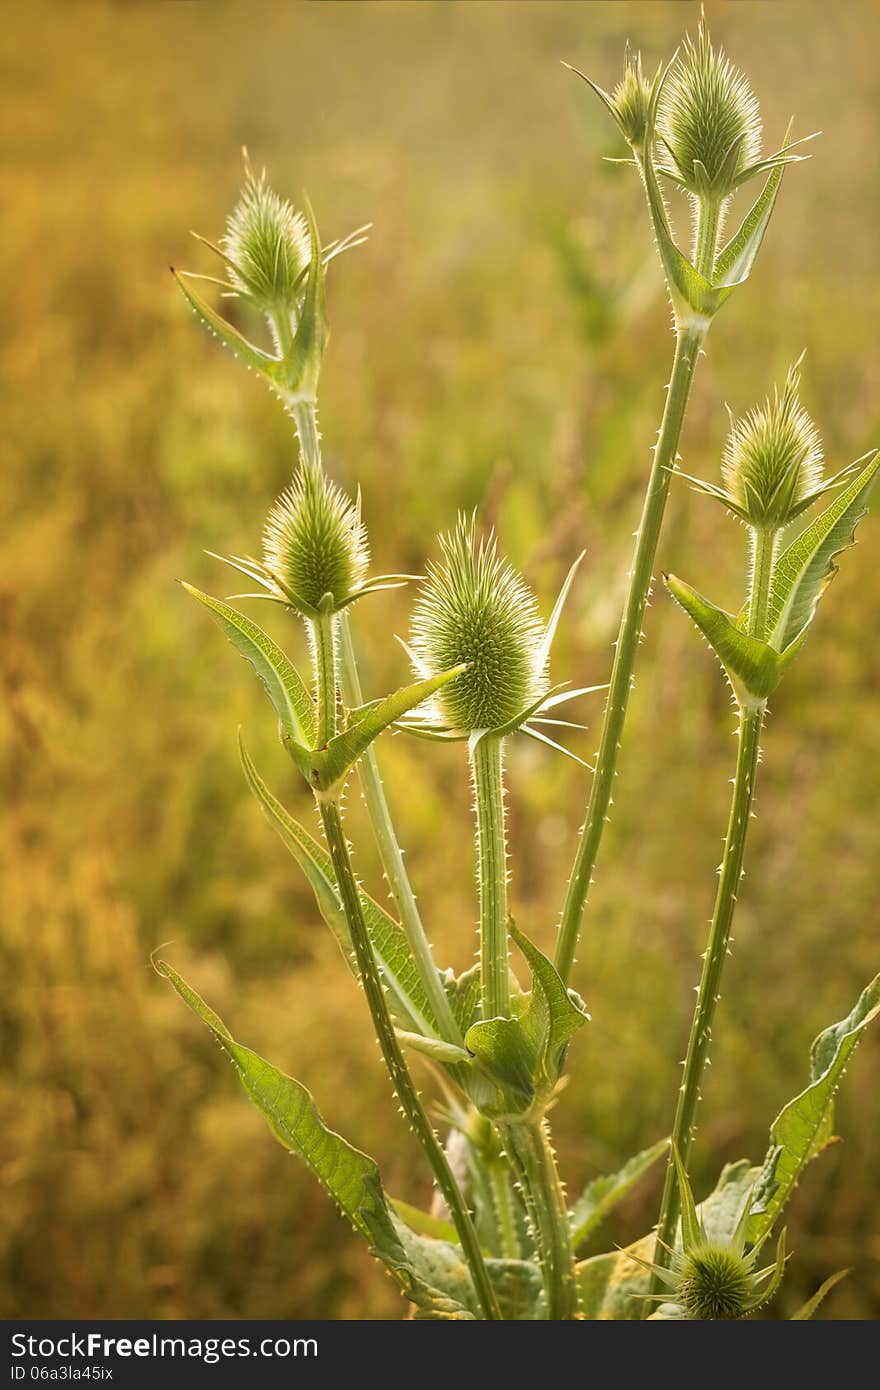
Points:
[(323, 630), (532, 1158), (389, 849), (390, 853), (751, 721), (502, 1201), (392, 1055), (688, 342), (486, 768), (764, 542), (708, 225)]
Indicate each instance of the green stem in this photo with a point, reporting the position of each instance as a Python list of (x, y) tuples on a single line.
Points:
[(764, 549), (323, 630), (706, 235), (531, 1154), (398, 1070), (751, 721), (305, 418), (486, 767), (502, 1201), (389, 849), (687, 348)]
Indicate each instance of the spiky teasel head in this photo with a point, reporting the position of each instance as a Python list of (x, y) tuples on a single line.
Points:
[(772, 459), (267, 245), (475, 608), (315, 544), (630, 102), (714, 1280), (708, 121)]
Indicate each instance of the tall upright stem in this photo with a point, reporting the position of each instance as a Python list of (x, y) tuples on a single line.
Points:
[(389, 849), (392, 1055), (751, 721), (531, 1155), (486, 768), (688, 342), (390, 853), (765, 545), (708, 224)]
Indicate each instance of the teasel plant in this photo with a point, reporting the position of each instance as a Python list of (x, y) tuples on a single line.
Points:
[(501, 1238)]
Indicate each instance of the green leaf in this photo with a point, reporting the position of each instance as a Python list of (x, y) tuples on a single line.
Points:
[(685, 282), (752, 666), (803, 1127), (721, 1212), (351, 1178), (326, 769), (805, 569), (464, 996), (302, 363), (734, 264), (289, 696), (252, 356), (432, 1273), (435, 1048), (603, 1194), (522, 1057), (806, 1310), (408, 997), (423, 1223)]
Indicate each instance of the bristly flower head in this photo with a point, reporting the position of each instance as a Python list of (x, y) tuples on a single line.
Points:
[(315, 543), (630, 102), (772, 460), (267, 246), (713, 1280), (708, 120), (475, 608)]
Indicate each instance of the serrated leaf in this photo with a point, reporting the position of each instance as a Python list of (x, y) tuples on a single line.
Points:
[(521, 1057), (408, 998), (753, 666), (432, 1273), (247, 352), (806, 567), (603, 1194), (803, 1127), (290, 698)]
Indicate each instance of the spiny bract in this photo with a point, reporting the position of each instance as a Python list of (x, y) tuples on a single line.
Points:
[(267, 244), (314, 542), (772, 459), (475, 608), (709, 119)]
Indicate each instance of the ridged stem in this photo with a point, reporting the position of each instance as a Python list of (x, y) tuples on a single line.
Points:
[(323, 629), (487, 773), (401, 1078), (751, 722), (389, 849), (708, 224), (765, 545), (505, 1217), (687, 347), (390, 853), (531, 1154)]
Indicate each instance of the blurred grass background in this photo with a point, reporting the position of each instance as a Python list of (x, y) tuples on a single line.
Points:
[(502, 341)]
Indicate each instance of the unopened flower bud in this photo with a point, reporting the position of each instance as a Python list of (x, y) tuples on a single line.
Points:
[(475, 608), (267, 245), (708, 122), (772, 460), (314, 543)]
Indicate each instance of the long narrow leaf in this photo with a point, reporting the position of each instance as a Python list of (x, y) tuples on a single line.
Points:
[(603, 1194), (290, 698)]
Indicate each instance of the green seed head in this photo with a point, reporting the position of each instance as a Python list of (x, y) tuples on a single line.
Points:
[(315, 543), (630, 101), (709, 120), (475, 608), (715, 1283), (267, 243), (772, 459)]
